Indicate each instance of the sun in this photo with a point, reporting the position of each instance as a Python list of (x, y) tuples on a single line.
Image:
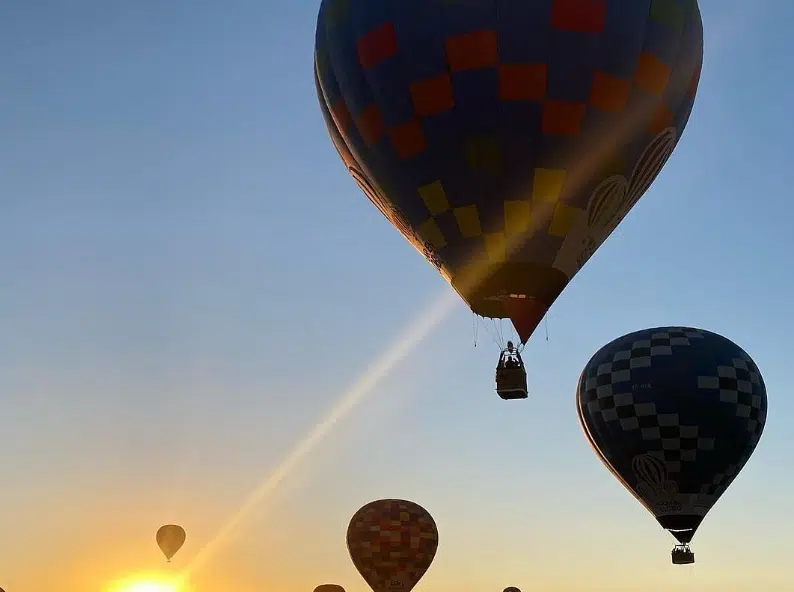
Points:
[(147, 584), (149, 587)]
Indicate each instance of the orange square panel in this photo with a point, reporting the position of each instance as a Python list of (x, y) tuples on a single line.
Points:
[(584, 16), (370, 124), (562, 118), (472, 50), (408, 139), (609, 93), (432, 95), (651, 74), (662, 119), (377, 45)]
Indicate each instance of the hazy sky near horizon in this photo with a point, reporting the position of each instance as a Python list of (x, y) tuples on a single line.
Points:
[(191, 280)]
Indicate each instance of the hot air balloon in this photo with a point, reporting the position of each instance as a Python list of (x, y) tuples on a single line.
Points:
[(329, 588), (505, 140), (170, 539), (674, 413), (392, 544), (511, 589)]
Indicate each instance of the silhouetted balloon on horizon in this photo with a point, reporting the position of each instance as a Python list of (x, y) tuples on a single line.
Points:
[(392, 544), (329, 588)]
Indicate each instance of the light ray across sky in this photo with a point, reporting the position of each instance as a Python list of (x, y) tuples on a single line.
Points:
[(363, 386)]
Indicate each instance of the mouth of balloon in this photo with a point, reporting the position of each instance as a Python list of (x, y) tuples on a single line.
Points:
[(521, 292), (681, 526)]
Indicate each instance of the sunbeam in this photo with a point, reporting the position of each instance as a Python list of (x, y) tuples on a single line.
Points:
[(362, 387)]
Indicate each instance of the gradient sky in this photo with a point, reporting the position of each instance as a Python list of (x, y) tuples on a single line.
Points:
[(190, 281)]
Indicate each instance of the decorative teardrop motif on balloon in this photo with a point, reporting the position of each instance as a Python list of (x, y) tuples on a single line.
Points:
[(610, 202), (397, 219)]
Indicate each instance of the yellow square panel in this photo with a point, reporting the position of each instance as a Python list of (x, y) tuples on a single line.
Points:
[(547, 184), (495, 247), (518, 214), (430, 232), (468, 221), (434, 197), (468, 274), (562, 219)]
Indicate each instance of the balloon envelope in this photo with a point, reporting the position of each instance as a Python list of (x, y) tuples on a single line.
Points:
[(170, 539), (674, 413), (505, 140), (392, 544), (511, 589), (329, 588)]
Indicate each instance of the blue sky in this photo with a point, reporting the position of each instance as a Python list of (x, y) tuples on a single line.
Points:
[(190, 280)]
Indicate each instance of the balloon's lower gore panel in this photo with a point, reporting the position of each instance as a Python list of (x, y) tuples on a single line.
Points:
[(681, 526), (522, 292)]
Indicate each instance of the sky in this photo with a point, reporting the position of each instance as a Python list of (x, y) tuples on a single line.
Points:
[(191, 283)]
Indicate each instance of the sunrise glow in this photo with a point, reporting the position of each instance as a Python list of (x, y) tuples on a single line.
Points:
[(148, 583)]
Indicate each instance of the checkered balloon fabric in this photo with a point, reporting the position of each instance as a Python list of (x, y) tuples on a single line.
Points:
[(676, 413), (392, 544)]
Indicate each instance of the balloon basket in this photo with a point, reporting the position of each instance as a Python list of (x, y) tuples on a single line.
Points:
[(682, 555)]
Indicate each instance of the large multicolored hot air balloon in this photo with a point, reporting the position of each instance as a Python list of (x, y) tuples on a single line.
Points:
[(392, 544), (674, 413), (506, 139), (170, 538)]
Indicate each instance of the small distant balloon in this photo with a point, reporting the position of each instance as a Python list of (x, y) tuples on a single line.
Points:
[(329, 588), (170, 538), (392, 544)]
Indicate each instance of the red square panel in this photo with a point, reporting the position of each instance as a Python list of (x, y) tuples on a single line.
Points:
[(562, 118), (370, 125), (377, 45), (522, 82), (432, 95), (584, 16), (470, 51), (408, 139)]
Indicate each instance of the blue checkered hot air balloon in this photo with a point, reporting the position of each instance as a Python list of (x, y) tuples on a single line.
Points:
[(674, 413), (506, 139)]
